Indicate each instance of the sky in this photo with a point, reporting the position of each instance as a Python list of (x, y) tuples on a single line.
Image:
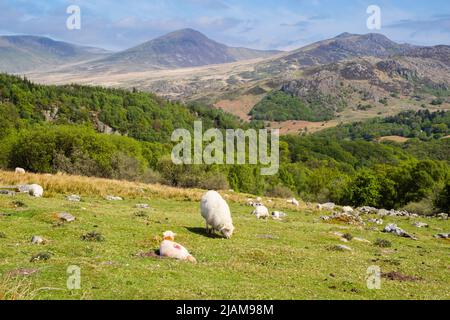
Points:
[(259, 24)]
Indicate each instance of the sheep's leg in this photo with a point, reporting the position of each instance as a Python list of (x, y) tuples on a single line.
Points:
[(207, 228)]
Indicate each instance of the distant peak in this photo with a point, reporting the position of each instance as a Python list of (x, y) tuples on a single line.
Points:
[(345, 35)]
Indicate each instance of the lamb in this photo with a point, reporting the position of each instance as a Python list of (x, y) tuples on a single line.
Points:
[(171, 249), (261, 212), (216, 212), (20, 171)]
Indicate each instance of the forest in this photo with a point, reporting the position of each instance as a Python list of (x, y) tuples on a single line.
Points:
[(51, 129)]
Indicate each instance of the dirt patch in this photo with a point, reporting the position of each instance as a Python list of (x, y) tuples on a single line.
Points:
[(240, 107), (296, 127), (397, 276), (22, 272), (397, 139)]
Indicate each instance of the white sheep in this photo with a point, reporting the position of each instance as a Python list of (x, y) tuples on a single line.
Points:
[(20, 170), (36, 190), (294, 202), (261, 212), (216, 213)]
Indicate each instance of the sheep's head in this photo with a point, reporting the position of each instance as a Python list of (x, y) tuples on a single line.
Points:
[(169, 235), (227, 230)]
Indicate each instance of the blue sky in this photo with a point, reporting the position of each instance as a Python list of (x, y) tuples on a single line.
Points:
[(261, 24)]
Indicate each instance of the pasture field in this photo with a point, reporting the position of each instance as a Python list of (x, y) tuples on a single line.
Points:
[(266, 259)]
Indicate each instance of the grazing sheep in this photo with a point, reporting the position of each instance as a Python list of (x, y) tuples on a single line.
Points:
[(36, 190), (169, 248), (261, 212), (216, 213), (20, 171)]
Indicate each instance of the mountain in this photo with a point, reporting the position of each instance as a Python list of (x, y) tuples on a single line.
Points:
[(26, 53), (179, 49)]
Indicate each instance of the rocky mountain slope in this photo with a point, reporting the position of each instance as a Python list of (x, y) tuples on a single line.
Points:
[(180, 49), (25, 53)]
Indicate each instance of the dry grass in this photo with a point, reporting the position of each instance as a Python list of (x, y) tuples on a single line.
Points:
[(15, 288), (90, 186)]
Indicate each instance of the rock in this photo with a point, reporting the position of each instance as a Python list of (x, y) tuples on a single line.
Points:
[(142, 206), (420, 225), (38, 240), (392, 228), (338, 234), (376, 221), (442, 236), (368, 210), (113, 198), (74, 198), (383, 212), (66, 217), (328, 206), (443, 216), (345, 217), (42, 256), (347, 209)]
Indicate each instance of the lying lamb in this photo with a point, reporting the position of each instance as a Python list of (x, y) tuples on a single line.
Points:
[(216, 213), (20, 171), (169, 248)]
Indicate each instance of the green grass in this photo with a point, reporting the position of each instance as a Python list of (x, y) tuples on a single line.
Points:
[(288, 259)]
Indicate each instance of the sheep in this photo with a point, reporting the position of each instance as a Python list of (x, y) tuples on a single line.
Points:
[(36, 190), (261, 212), (20, 170), (169, 248), (216, 212), (277, 215), (294, 202)]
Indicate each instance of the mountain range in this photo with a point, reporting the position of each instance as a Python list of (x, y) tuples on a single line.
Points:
[(346, 78)]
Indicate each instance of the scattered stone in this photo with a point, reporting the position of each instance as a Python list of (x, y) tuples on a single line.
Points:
[(42, 256), (382, 243), (392, 228), (420, 225), (341, 247), (113, 198), (66, 217), (376, 221), (347, 210), (38, 240), (442, 236), (345, 218), (383, 212), (74, 198), (22, 272), (142, 206), (338, 234), (93, 236), (368, 210), (442, 216), (397, 276), (328, 206)]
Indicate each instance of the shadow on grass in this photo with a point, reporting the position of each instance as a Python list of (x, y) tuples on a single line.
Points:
[(202, 232)]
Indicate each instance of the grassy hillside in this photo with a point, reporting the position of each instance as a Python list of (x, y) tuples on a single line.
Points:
[(295, 254)]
